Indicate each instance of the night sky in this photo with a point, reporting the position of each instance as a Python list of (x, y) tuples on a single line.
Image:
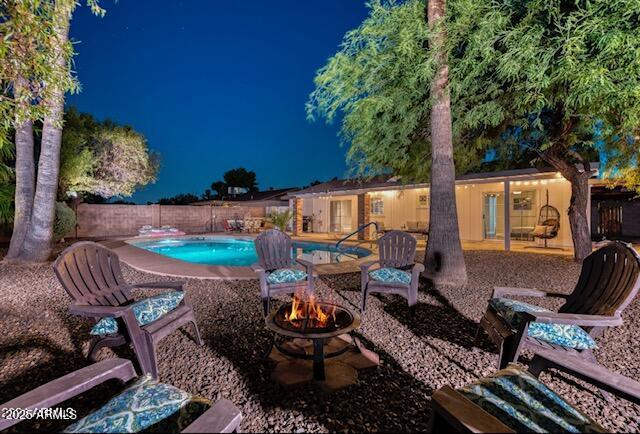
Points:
[(215, 85)]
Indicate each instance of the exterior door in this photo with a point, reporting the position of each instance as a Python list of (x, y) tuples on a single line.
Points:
[(340, 212)]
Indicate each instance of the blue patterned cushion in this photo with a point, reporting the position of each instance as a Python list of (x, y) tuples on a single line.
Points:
[(567, 335), (147, 404), (146, 311), (391, 275), (524, 404), (286, 275)]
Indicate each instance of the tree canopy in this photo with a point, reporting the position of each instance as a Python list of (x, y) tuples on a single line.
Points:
[(104, 159), (564, 75), (549, 71)]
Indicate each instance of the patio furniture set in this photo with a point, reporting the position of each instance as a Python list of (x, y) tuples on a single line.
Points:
[(248, 225), (511, 399)]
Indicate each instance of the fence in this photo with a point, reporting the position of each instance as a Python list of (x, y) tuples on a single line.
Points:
[(102, 221)]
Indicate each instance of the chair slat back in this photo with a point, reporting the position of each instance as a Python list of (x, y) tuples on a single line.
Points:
[(397, 249), (609, 281), (91, 274), (274, 249)]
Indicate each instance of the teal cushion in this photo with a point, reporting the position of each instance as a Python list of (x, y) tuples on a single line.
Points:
[(286, 275), (391, 275), (146, 311), (145, 405), (566, 335), (524, 404)]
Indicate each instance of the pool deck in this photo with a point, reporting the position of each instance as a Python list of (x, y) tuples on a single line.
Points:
[(144, 260)]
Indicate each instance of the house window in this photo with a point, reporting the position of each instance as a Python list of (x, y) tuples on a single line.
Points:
[(377, 206)]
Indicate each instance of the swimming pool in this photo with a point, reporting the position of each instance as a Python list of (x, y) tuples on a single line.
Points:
[(241, 252)]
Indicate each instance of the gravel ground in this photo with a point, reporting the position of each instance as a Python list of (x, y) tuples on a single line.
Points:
[(40, 341)]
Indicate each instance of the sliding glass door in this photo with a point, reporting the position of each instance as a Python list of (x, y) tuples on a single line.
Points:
[(340, 211)]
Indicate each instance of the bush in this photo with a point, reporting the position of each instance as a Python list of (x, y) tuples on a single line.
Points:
[(65, 221), (281, 219)]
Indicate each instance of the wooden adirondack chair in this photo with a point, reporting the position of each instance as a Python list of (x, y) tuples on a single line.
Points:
[(609, 280), (222, 416), (466, 411), (274, 250), (396, 249), (91, 275)]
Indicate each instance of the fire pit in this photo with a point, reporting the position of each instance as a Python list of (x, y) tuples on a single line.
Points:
[(317, 323)]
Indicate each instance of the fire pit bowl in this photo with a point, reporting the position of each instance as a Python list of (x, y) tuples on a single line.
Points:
[(313, 321), (301, 320)]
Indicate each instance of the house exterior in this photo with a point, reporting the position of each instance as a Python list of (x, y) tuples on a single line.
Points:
[(499, 207)]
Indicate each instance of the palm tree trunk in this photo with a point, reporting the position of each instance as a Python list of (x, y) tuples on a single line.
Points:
[(444, 261), (25, 179), (37, 243)]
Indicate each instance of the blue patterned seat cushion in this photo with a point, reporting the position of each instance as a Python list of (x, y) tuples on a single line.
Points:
[(566, 335), (524, 404), (391, 275), (145, 405), (286, 275), (146, 311)]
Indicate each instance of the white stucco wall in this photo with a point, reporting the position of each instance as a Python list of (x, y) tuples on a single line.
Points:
[(402, 205)]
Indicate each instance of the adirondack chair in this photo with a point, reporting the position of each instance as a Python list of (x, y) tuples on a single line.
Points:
[(608, 282), (197, 413), (397, 255), (493, 404), (278, 271), (91, 275)]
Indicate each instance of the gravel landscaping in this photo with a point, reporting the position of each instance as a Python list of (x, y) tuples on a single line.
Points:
[(39, 341)]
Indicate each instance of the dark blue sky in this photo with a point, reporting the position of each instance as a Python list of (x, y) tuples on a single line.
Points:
[(215, 85)]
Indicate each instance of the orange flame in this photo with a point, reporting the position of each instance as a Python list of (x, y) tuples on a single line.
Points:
[(317, 313)]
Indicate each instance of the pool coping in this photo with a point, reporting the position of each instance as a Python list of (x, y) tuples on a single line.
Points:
[(154, 263)]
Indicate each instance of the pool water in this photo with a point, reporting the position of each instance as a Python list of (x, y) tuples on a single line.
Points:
[(241, 252)]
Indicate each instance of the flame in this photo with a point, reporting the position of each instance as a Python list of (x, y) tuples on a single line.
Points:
[(318, 314)]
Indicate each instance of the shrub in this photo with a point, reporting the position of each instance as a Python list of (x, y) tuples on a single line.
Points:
[(281, 219), (65, 221)]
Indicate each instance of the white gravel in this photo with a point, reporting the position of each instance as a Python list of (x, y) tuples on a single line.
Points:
[(40, 341)]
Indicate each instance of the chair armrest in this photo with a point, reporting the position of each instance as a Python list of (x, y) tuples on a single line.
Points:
[(592, 373), (173, 285), (500, 291), (572, 318), (98, 311), (307, 265), (69, 386), (364, 267), (463, 415), (417, 269), (257, 268), (223, 417)]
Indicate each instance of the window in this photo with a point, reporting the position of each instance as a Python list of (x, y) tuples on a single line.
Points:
[(377, 206)]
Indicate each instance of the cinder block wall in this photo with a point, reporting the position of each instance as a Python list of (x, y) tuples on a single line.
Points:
[(103, 221)]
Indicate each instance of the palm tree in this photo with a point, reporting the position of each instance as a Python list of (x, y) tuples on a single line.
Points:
[(444, 261), (35, 211)]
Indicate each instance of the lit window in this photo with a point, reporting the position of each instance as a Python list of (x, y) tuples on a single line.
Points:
[(377, 206)]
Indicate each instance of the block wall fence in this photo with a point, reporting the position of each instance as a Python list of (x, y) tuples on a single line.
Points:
[(102, 221)]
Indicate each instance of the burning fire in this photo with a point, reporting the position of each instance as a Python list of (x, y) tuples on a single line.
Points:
[(316, 314)]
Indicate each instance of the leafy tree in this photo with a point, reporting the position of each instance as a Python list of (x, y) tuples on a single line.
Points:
[(35, 72), (103, 159), (383, 83), (179, 199), (220, 189), (241, 177), (560, 78), (207, 195)]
